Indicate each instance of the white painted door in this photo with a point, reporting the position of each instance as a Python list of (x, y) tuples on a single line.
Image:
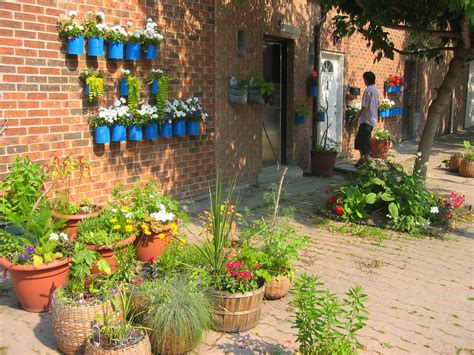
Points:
[(469, 119), (331, 91)]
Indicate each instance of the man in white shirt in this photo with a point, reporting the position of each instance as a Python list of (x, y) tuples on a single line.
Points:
[(367, 118)]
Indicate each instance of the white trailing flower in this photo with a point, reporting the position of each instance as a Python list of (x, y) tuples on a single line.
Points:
[(162, 215)]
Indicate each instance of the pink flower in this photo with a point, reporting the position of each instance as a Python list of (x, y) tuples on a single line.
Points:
[(314, 74), (151, 258)]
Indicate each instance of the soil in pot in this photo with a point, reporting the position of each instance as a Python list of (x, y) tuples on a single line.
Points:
[(150, 247), (108, 252), (380, 148), (72, 220), (322, 163), (278, 288), (136, 343), (34, 285)]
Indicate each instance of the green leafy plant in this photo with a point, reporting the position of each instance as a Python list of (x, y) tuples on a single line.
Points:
[(68, 27), (351, 113), (94, 26), (162, 95), (384, 135), (324, 324), (264, 88), (469, 153), (116, 34), (134, 89), (302, 110), (95, 80)]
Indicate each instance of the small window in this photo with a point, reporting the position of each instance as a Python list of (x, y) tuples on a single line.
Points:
[(327, 67)]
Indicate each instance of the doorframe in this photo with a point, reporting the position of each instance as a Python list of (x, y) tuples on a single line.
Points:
[(339, 57), (468, 123)]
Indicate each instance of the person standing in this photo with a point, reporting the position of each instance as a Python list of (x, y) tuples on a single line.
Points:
[(367, 118)]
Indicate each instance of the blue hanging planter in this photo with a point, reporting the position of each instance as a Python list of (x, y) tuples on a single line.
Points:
[(151, 131), (313, 90), (123, 87), (193, 128), (166, 130), (389, 88), (151, 52), (396, 111), (299, 119), (102, 134), (116, 50), (385, 113), (321, 116), (135, 133), (132, 51), (86, 90), (75, 45), (179, 128), (154, 87), (95, 47), (118, 133)]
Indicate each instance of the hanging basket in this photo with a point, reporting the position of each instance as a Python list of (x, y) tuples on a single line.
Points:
[(466, 168), (278, 288)]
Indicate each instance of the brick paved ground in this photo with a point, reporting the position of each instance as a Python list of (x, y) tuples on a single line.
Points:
[(421, 291)]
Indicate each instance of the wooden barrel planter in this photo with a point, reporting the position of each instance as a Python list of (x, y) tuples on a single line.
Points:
[(380, 148), (237, 312), (72, 220), (466, 168), (72, 324), (143, 347), (278, 288), (108, 252), (454, 163)]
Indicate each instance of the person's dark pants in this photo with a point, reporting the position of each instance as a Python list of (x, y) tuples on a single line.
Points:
[(362, 141)]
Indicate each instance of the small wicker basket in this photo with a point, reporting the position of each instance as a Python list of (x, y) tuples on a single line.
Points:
[(170, 345), (466, 168), (143, 347), (278, 288), (454, 162)]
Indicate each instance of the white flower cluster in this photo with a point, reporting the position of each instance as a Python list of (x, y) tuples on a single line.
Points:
[(162, 215), (177, 109), (112, 113), (151, 31), (125, 72), (195, 109), (118, 30), (148, 111), (157, 71), (388, 102), (72, 13), (100, 15), (56, 236)]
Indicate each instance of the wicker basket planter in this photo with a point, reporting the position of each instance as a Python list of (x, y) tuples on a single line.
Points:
[(454, 163), (152, 246), (170, 345), (72, 221), (237, 312), (278, 288), (108, 252), (466, 168), (72, 324), (143, 347), (380, 148)]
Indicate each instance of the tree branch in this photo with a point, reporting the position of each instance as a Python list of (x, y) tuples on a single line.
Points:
[(422, 50), (446, 34)]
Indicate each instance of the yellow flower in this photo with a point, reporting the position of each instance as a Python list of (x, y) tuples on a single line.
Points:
[(161, 235), (173, 226), (147, 232), (117, 226), (182, 241), (128, 228), (125, 209), (113, 220), (144, 226), (129, 221), (175, 233)]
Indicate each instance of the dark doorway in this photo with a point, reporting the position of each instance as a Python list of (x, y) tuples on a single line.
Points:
[(407, 104), (275, 59)]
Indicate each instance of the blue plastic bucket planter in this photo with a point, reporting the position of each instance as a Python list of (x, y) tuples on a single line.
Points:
[(321, 116), (116, 50), (193, 128), (154, 87), (396, 111), (179, 128), (151, 52), (151, 131), (102, 134), (385, 113), (313, 90), (86, 90), (123, 87), (166, 130), (118, 133), (75, 45), (132, 51), (299, 119), (135, 133), (95, 47), (389, 88)]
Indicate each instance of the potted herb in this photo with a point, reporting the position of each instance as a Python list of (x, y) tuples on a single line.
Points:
[(351, 112), (36, 255), (95, 31), (385, 107), (120, 113), (238, 90), (94, 83), (148, 116), (393, 84), (466, 167), (313, 83), (323, 156), (177, 111), (301, 112), (260, 91), (116, 36), (380, 144), (195, 116), (133, 43), (73, 32), (151, 39)]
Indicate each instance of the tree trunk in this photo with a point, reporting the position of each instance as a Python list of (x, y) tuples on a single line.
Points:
[(437, 107)]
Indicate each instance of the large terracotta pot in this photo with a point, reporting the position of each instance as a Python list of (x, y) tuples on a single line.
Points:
[(466, 168), (108, 252), (72, 220), (150, 247), (380, 148), (34, 285), (322, 163)]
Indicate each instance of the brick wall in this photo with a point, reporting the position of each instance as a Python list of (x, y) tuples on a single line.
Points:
[(44, 112)]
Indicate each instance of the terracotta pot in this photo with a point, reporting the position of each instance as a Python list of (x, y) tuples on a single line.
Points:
[(380, 148), (151, 246), (466, 168), (34, 285), (278, 288), (454, 163), (322, 163), (143, 347), (72, 220), (108, 252)]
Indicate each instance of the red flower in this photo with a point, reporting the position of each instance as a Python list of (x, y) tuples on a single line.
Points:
[(328, 191), (333, 199), (339, 210), (258, 266), (314, 74), (151, 258)]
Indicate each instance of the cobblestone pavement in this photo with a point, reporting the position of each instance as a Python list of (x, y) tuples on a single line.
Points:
[(421, 291)]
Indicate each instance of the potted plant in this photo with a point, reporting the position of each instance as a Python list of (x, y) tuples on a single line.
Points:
[(153, 80), (323, 156), (385, 107), (133, 43), (178, 111), (453, 162), (32, 251), (84, 297), (148, 116), (63, 203), (137, 119), (130, 86), (73, 32), (101, 123), (351, 112), (116, 36), (238, 90), (151, 39), (260, 91), (177, 311), (95, 31), (322, 113), (393, 84), (120, 114), (313, 83), (380, 144), (94, 83), (466, 167), (301, 112), (195, 116)]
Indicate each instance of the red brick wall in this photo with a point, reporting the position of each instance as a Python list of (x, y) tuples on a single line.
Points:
[(43, 109)]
